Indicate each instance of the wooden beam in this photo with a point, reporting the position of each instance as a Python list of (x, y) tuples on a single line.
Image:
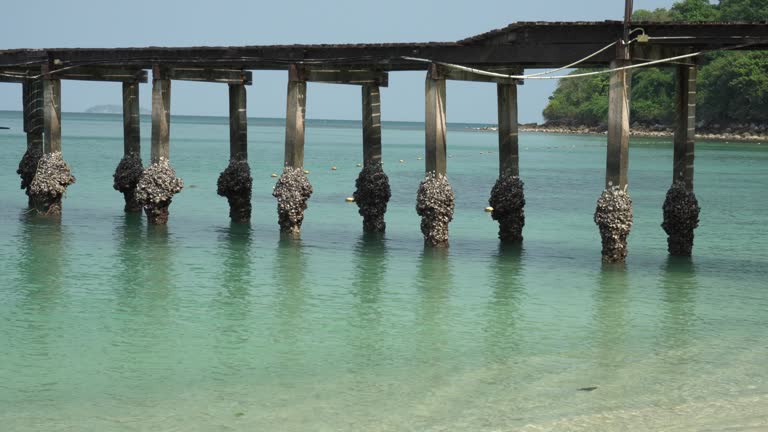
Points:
[(294, 120), (371, 124), (95, 73), (685, 125), (131, 119), (238, 123), (220, 75), (12, 77), (345, 76), (617, 163), (161, 119), (435, 140), (508, 133), (52, 115), (462, 75)]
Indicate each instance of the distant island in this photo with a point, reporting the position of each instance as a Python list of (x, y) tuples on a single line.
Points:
[(111, 109)]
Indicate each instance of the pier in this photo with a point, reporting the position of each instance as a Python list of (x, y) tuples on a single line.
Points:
[(499, 57)]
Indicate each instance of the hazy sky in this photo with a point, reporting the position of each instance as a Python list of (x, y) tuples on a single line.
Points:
[(104, 23)]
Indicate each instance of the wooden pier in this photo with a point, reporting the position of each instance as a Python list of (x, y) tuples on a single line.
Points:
[(506, 53)]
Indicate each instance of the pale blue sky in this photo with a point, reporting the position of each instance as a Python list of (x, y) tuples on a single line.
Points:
[(104, 23)]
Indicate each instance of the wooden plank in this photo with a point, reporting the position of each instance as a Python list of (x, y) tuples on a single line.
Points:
[(346, 76), (226, 76), (435, 140), (462, 75), (685, 125), (238, 123), (294, 121), (131, 119), (371, 124), (161, 119), (617, 163), (12, 76), (508, 134), (96, 73), (52, 115)]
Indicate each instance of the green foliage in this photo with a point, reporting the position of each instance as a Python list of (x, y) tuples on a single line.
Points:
[(733, 86)]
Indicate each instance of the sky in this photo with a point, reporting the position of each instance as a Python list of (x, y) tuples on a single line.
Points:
[(106, 24)]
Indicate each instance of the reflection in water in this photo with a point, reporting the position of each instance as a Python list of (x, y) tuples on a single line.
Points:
[(502, 338), (33, 326), (434, 283), (130, 277), (366, 329), (290, 297), (678, 283), (610, 315)]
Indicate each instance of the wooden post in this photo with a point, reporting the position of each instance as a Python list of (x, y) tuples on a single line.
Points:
[(161, 116), (131, 119), (435, 143), (33, 118), (685, 126), (508, 139), (618, 127), (371, 124), (294, 119), (52, 115), (238, 123)]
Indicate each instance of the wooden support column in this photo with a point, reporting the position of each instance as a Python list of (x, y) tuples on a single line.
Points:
[(294, 119), (435, 143), (508, 138), (238, 123), (33, 118), (131, 119), (371, 124), (685, 126), (52, 115), (161, 117), (618, 126)]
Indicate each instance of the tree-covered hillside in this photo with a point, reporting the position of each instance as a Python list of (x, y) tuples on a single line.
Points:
[(733, 86)]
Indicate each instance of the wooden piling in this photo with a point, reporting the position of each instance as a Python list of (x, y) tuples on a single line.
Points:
[(618, 126), (131, 119), (161, 117), (238, 123), (508, 129), (435, 143), (294, 119), (371, 124), (33, 118), (685, 126), (52, 115)]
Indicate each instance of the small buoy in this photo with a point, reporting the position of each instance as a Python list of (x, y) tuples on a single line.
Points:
[(359, 165), (333, 168), (306, 171), (488, 209), (350, 199), (274, 175), (402, 161), (481, 152), (418, 158)]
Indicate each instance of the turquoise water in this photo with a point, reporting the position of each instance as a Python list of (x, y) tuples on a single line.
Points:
[(109, 324)]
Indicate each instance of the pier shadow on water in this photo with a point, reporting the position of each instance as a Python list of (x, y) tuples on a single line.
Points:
[(678, 320), (502, 338), (434, 284), (611, 315)]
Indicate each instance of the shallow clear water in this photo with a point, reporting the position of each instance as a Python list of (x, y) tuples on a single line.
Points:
[(109, 324)]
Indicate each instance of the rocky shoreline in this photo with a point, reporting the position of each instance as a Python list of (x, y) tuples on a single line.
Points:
[(749, 133)]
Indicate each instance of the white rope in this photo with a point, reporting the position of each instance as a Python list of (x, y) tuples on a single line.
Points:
[(576, 62)]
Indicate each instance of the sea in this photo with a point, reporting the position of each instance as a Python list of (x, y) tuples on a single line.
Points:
[(108, 324)]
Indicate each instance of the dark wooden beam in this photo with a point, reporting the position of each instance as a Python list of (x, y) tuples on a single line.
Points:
[(435, 139), (226, 76), (296, 107), (508, 138), (345, 76), (95, 73), (371, 124), (617, 163), (685, 125), (161, 119), (238, 123), (456, 74)]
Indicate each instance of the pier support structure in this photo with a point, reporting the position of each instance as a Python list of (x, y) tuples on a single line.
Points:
[(293, 188), (681, 208), (236, 182), (52, 175), (32, 90), (435, 198), (158, 183), (613, 215), (130, 168)]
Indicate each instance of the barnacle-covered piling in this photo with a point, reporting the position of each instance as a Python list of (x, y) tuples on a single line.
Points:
[(49, 183), (235, 183), (508, 203), (614, 218), (155, 189), (28, 166), (435, 204), (292, 192), (681, 217), (126, 178), (372, 195)]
